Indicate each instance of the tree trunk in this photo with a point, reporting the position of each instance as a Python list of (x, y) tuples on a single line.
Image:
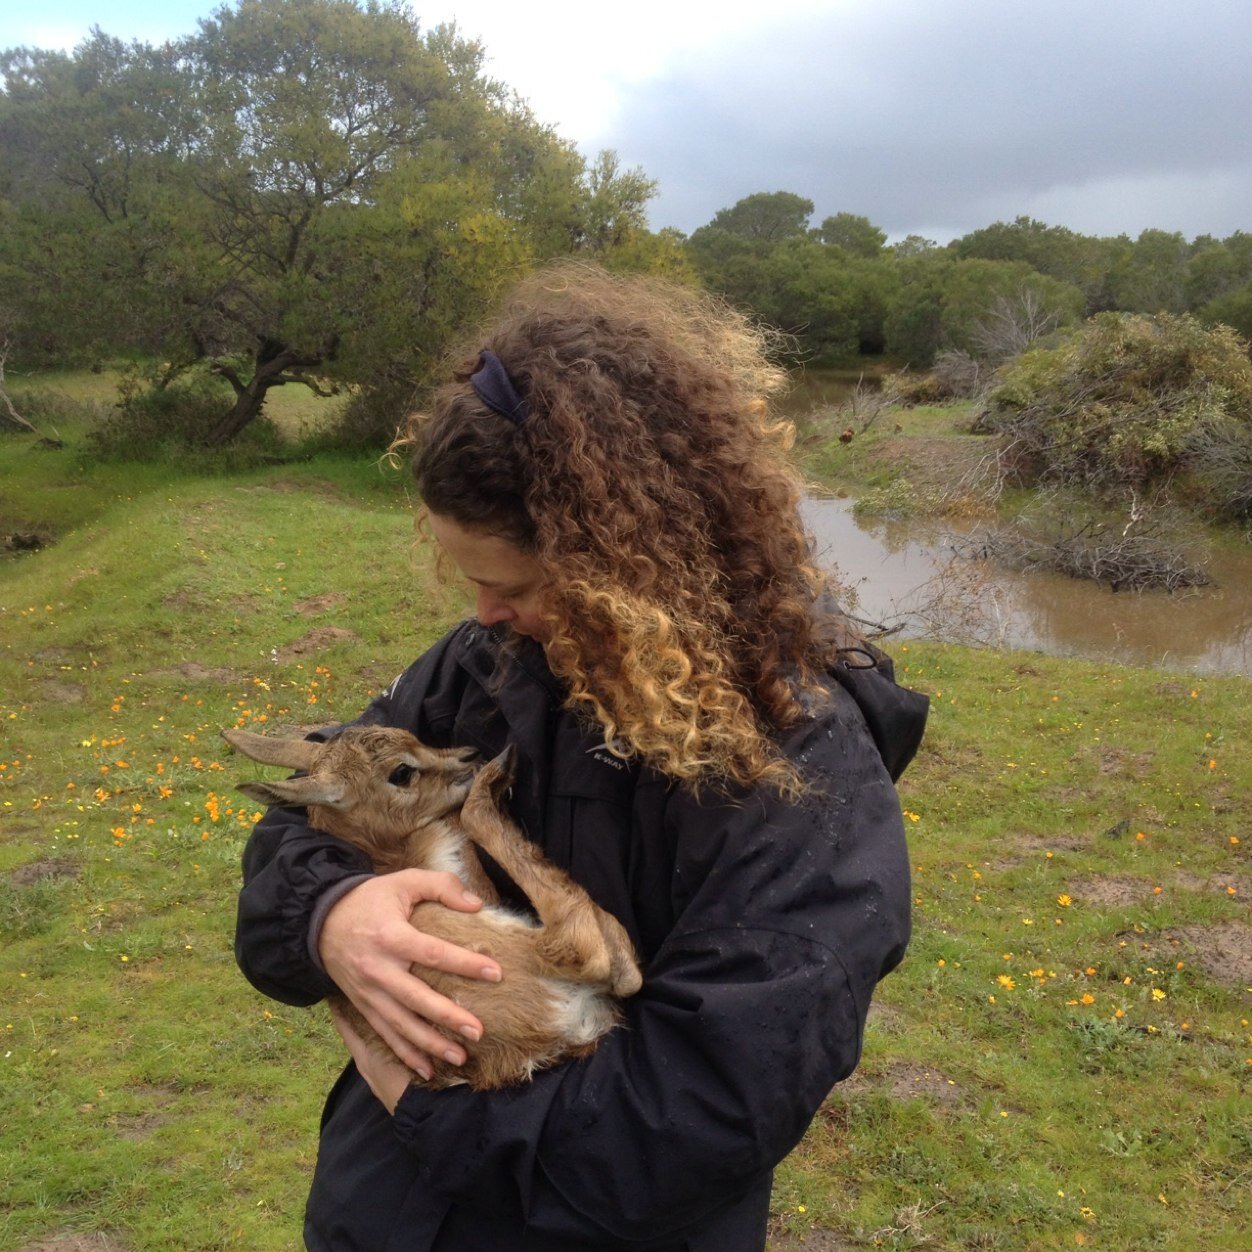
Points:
[(248, 404), (272, 363)]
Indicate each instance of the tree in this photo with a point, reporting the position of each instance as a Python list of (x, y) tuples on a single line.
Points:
[(912, 246), (766, 217), (1150, 277), (319, 126), (1080, 260), (303, 192), (10, 418), (942, 302), (82, 165), (1234, 309), (854, 234)]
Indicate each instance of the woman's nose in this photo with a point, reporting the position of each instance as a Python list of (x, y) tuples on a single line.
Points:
[(490, 609)]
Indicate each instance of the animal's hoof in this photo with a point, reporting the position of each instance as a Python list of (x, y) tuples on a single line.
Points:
[(506, 763)]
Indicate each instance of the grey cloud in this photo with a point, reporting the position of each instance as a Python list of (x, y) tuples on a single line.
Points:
[(929, 116)]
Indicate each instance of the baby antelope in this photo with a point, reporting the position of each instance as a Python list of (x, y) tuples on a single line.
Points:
[(407, 806)]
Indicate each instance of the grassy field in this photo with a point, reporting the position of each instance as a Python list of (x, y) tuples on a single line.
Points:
[(1063, 1060)]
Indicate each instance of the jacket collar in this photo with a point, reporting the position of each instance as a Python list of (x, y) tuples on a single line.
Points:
[(513, 673)]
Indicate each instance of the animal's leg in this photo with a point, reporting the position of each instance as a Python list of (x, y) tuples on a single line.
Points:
[(581, 941)]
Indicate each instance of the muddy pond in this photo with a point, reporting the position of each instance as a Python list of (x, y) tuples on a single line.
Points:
[(906, 574)]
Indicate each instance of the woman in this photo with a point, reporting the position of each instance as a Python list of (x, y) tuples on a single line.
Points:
[(701, 746)]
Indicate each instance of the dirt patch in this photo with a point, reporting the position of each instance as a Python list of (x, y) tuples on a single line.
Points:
[(182, 601), (294, 486), (886, 1018), (193, 671), (1215, 884), (320, 604), (1123, 763), (1032, 847), (160, 1092), (62, 693), (1057, 843), (72, 1241), (136, 1126), (55, 656), (316, 640), (1111, 891), (25, 540), (47, 870), (814, 1241), (904, 1080), (1223, 951), (1172, 691)]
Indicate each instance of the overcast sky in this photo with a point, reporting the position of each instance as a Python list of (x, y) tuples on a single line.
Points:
[(930, 117)]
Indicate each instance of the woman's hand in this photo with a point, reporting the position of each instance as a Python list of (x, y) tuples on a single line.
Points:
[(367, 945), (384, 1075)]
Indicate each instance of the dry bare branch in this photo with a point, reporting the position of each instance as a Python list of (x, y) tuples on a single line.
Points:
[(9, 416)]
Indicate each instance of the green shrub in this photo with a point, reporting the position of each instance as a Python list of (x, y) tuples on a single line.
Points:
[(48, 410), (1219, 464), (157, 423), (1125, 401), (369, 420)]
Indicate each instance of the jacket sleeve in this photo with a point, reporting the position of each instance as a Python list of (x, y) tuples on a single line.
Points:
[(288, 867), (788, 914)]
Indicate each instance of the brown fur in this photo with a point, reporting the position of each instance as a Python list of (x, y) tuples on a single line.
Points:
[(433, 821)]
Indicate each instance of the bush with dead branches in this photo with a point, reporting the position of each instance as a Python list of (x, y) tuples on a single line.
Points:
[(1153, 547), (10, 417), (960, 375), (1123, 402), (1219, 459), (1014, 323)]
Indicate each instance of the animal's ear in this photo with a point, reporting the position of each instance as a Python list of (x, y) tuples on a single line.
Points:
[(291, 753), (297, 791)]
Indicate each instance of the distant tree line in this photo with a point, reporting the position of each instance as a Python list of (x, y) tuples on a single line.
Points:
[(844, 292), (321, 193)]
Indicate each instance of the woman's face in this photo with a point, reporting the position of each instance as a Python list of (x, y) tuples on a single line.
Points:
[(509, 583)]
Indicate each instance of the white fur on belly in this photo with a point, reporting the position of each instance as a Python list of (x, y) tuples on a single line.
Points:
[(583, 1012)]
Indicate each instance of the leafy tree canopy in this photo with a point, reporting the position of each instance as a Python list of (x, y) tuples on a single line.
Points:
[(304, 191), (766, 217), (854, 234)]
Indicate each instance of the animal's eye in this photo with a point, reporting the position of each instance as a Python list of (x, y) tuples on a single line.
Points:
[(401, 776)]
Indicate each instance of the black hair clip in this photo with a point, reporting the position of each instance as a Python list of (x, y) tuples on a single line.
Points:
[(495, 388)]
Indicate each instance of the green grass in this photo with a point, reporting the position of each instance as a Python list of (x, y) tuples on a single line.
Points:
[(927, 444), (153, 1097), (1066, 1050)]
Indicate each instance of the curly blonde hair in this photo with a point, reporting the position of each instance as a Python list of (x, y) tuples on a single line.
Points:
[(654, 487)]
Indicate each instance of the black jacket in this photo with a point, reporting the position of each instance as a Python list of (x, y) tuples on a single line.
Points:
[(763, 927)]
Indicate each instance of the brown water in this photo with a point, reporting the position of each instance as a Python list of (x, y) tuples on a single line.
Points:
[(903, 574), (821, 389)]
